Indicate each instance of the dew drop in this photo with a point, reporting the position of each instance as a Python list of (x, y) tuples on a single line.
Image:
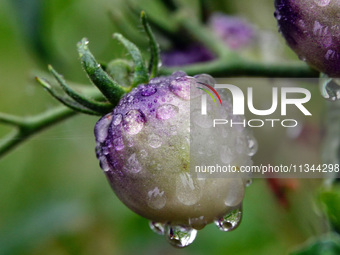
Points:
[(205, 78), (130, 142), (277, 15), (118, 144), (156, 199), (173, 130), (329, 89), (302, 58), (154, 141), (322, 3), (133, 164), (188, 191), (105, 150), (157, 227), (134, 122), (117, 119), (148, 91), (104, 165), (143, 154), (101, 128), (166, 111), (230, 221), (252, 145), (198, 222), (226, 154), (235, 193), (331, 55), (180, 236), (249, 182), (241, 145), (130, 99), (203, 121), (181, 87)]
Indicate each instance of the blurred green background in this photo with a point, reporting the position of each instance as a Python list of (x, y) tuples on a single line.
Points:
[(54, 198)]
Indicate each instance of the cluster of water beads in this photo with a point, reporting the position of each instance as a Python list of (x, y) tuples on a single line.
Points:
[(181, 236)]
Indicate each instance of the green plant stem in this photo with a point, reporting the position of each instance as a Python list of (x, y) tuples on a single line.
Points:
[(232, 68), (28, 126), (10, 119)]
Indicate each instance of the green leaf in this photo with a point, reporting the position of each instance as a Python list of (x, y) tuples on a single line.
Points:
[(331, 201), (327, 245)]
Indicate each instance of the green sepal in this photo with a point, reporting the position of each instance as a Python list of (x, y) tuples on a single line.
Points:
[(140, 71), (100, 107), (154, 63), (110, 88), (121, 70), (65, 100)]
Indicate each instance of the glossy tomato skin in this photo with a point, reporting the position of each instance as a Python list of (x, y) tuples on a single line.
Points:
[(312, 29)]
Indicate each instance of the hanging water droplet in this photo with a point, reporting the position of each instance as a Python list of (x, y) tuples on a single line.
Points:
[(329, 89), (157, 227), (134, 122), (252, 145), (230, 221), (166, 111), (154, 141), (198, 222), (180, 236), (249, 182)]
